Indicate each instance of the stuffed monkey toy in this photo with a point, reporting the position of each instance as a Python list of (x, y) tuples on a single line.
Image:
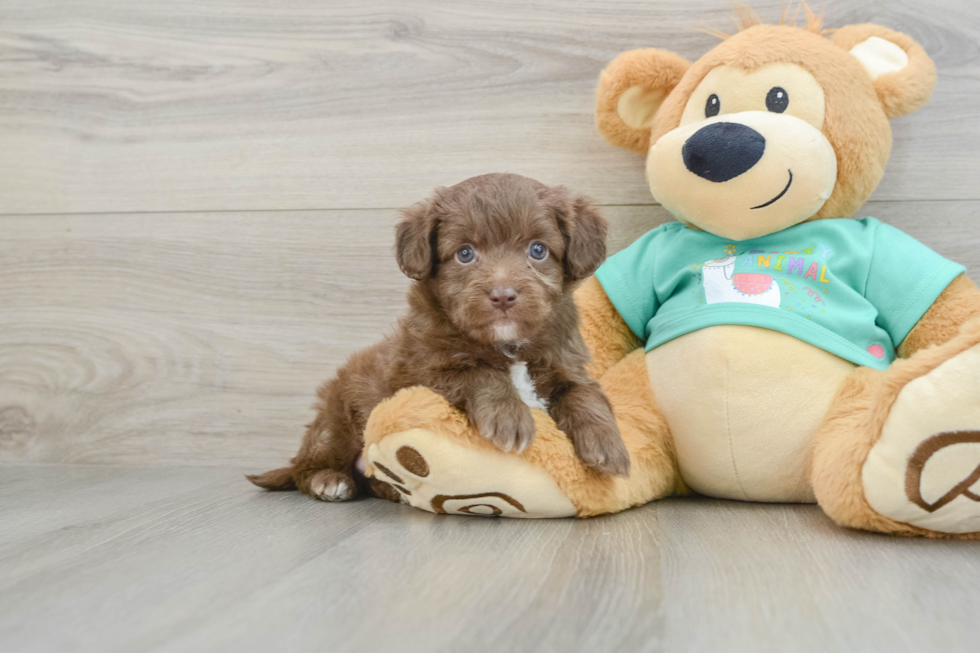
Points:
[(766, 346)]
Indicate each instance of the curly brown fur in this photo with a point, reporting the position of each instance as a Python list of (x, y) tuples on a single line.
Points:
[(468, 323)]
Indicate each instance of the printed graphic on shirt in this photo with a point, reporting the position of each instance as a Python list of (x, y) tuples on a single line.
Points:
[(723, 284)]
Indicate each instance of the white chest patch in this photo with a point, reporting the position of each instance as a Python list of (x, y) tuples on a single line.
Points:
[(525, 386)]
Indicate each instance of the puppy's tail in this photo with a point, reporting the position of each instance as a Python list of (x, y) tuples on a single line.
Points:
[(277, 480)]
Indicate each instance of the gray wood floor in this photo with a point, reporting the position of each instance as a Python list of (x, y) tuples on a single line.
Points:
[(196, 209), (182, 559)]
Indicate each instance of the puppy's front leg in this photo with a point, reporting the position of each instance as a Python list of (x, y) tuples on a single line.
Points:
[(493, 405), (582, 411)]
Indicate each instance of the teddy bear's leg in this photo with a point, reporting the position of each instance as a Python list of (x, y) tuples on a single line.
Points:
[(899, 452), (429, 452)]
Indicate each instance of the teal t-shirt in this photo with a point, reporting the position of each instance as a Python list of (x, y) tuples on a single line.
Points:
[(854, 288)]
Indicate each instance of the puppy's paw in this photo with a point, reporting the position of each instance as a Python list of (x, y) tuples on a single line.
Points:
[(509, 425), (593, 431), (603, 451), (331, 485)]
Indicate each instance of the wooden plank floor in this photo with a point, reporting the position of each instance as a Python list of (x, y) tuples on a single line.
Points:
[(187, 559), (196, 208)]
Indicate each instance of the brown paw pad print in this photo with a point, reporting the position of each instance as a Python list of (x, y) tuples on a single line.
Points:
[(917, 462), (415, 466), (412, 460), (487, 504)]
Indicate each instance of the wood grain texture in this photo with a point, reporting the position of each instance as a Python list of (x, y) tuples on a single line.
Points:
[(196, 211), (119, 559), (200, 338), (299, 104), (186, 329)]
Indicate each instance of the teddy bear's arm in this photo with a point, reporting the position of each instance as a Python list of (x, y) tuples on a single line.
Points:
[(606, 334), (956, 306)]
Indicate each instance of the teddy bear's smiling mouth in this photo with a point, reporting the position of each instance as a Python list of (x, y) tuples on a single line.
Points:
[(776, 198)]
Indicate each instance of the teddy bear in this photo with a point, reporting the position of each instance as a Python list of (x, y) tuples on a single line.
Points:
[(766, 346)]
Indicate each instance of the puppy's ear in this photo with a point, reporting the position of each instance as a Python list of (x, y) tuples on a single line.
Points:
[(584, 231), (415, 241)]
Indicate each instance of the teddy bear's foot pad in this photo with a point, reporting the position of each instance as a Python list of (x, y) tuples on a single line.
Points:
[(925, 468), (441, 475)]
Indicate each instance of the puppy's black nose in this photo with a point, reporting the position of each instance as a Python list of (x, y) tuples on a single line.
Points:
[(503, 298), (723, 150)]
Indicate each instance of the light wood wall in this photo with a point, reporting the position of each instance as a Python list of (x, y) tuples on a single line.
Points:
[(197, 198)]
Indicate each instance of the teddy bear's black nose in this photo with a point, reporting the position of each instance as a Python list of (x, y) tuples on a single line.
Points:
[(723, 150)]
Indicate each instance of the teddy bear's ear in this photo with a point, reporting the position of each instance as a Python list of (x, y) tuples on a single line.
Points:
[(631, 89), (902, 73)]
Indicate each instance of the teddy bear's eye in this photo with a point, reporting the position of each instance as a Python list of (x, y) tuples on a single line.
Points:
[(712, 106), (777, 100)]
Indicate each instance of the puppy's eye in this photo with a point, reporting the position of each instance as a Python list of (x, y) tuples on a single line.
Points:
[(465, 254), (538, 251), (777, 99), (712, 106)]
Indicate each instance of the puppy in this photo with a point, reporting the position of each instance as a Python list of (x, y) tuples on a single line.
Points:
[(491, 326)]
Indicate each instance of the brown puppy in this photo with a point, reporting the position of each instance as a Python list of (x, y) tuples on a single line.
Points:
[(491, 325)]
